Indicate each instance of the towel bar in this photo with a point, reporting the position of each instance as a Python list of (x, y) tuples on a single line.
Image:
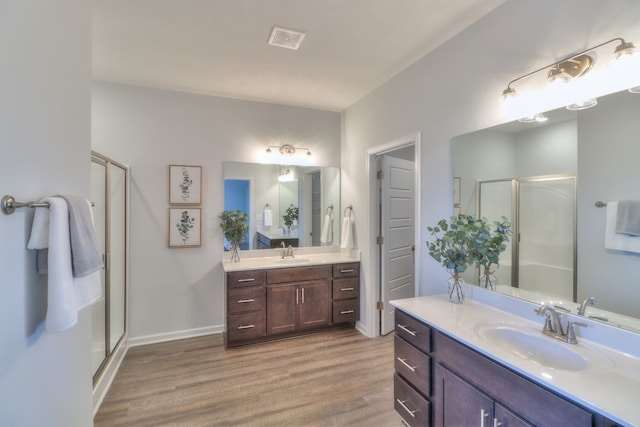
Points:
[(9, 205), (348, 208)]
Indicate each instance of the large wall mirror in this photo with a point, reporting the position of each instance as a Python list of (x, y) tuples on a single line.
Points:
[(547, 179), (268, 192)]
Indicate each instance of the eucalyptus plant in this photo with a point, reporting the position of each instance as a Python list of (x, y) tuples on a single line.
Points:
[(451, 245), (290, 216), (466, 240), (234, 225)]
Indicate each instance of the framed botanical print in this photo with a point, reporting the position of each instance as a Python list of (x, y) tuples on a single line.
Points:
[(185, 229), (185, 185)]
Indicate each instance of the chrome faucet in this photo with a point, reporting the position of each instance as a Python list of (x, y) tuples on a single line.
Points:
[(553, 325), (287, 251), (582, 310), (551, 315)]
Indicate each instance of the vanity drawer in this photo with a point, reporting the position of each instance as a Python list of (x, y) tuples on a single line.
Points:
[(350, 269), (413, 331), (298, 274), (345, 311), (246, 278), (413, 365), (345, 288), (414, 409), (246, 325), (246, 298)]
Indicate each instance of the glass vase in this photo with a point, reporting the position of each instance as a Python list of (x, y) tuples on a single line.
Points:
[(455, 285), (487, 279), (235, 252)]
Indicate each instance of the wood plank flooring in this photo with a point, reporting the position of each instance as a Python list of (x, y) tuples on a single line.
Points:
[(336, 378)]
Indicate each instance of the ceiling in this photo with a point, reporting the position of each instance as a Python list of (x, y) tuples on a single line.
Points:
[(219, 47)]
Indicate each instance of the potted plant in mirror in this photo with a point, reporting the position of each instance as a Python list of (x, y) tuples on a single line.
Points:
[(487, 245), (290, 217), (451, 249), (234, 226)]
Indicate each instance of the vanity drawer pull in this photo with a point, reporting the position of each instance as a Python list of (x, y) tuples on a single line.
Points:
[(246, 326), (347, 311), (404, 362), (402, 403), (346, 289), (247, 280), (351, 270), (244, 301), (407, 330)]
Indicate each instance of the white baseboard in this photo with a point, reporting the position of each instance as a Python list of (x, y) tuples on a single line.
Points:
[(176, 335)]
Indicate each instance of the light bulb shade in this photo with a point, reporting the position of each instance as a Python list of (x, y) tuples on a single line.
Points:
[(583, 105)]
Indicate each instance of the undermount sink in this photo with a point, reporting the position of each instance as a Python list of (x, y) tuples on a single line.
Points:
[(292, 260), (531, 345)]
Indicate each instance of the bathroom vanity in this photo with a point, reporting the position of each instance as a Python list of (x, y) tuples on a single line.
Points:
[(275, 240), (463, 365), (270, 298)]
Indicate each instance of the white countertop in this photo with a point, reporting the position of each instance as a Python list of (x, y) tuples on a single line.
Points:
[(272, 258), (609, 386)]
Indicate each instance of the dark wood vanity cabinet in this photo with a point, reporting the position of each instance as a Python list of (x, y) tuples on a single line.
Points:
[(345, 292), (245, 306), (298, 306), (413, 370), (442, 382), (268, 242), (263, 305)]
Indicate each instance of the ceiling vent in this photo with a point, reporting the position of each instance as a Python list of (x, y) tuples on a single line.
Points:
[(284, 37)]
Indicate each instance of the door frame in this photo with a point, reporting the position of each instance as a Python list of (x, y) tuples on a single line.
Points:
[(372, 298)]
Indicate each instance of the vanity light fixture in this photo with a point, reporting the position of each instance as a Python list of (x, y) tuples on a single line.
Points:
[(536, 118), (569, 82), (287, 149)]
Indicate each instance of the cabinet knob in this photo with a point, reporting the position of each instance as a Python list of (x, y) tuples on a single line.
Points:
[(246, 280), (347, 311), (346, 289), (246, 326), (245, 301)]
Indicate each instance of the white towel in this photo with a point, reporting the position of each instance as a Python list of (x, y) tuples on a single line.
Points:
[(347, 233), (267, 217), (618, 241), (327, 230), (65, 294)]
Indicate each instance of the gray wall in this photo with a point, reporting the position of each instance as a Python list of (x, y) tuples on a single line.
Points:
[(45, 89), (179, 292), (455, 90), (608, 170)]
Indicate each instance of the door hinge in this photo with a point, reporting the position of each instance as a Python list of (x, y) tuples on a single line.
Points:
[(380, 305), (380, 240), (380, 174)]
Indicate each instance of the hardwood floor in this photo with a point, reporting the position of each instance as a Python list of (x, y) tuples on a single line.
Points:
[(337, 378)]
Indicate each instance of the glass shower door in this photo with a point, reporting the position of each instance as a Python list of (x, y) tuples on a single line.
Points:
[(547, 236)]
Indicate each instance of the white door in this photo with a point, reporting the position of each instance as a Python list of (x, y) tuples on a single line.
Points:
[(397, 230)]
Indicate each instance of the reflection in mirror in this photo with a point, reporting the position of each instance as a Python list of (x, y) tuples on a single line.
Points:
[(269, 190), (546, 178)]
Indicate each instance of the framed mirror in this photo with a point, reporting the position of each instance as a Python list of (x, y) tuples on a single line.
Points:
[(290, 205), (547, 179)]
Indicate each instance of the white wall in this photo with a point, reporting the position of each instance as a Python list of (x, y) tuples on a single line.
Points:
[(45, 46), (179, 292), (455, 90)]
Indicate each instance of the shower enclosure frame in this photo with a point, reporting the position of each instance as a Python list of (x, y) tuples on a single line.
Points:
[(516, 211)]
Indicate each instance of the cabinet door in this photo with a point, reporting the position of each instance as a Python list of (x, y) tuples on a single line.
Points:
[(506, 418), (315, 304), (282, 308), (458, 403)]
